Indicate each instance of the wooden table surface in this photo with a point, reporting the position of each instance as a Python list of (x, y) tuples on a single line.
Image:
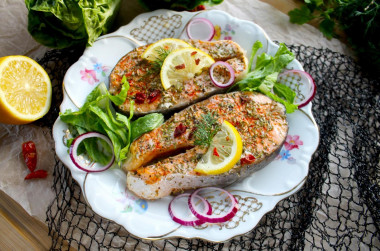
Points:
[(20, 231)]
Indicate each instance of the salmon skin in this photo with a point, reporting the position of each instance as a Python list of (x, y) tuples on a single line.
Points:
[(145, 83), (260, 121)]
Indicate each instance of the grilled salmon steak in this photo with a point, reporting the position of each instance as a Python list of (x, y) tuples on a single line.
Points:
[(145, 83), (260, 121)]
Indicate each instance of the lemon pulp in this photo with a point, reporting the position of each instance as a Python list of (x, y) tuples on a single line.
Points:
[(183, 64), (25, 90), (224, 151)]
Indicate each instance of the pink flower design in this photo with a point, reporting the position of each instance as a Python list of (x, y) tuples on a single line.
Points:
[(89, 76), (227, 38), (292, 142)]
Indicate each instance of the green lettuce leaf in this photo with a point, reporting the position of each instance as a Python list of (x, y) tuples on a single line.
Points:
[(64, 23), (264, 77), (97, 114), (146, 124)]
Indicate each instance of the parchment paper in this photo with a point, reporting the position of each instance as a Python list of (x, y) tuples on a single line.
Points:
[(34, 196)]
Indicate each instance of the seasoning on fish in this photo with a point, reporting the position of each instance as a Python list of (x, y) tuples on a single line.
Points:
[(144, 78), (260, 121)]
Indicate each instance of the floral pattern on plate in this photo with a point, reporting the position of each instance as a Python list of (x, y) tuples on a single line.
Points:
[(291, 142), (95, 75)]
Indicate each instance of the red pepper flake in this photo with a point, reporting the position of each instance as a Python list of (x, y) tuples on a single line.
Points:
[(38, 174), (179, 130), (153, 95), (249, 159), (180, 67), (215, 152), (191, 134), (140, 98), (30, 155), (193, 53), (197, 61)]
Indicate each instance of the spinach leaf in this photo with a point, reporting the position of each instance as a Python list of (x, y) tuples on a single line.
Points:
[(146, 124)]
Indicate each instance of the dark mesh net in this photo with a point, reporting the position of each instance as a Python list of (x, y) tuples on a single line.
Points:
[(337, 208)]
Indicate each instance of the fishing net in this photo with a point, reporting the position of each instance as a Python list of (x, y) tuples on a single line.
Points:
[(337, 208)]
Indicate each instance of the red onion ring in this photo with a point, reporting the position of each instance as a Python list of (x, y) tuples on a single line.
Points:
[(303, 80), (204, 22), (230, 70), (229, 214), (207, 209), (74, 148)]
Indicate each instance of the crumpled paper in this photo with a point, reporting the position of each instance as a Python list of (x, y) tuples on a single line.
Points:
[(35, 195)]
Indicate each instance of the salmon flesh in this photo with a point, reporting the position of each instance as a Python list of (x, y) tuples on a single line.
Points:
[(162, 161), (145, 84)]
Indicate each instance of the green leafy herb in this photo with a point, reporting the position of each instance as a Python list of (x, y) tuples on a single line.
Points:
[(146, 124), (157, 63), (63, 23), (358, 19), (264, 77), (97, 114), (206, 130), (256, 46)]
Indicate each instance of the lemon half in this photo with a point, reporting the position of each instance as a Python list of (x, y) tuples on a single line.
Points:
[(224, 152), (25, 90)]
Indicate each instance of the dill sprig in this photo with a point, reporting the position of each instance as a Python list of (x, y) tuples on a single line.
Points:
[(162, 53), (206, 130)]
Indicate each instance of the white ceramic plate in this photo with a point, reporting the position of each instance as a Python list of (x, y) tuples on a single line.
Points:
[(106, 192)]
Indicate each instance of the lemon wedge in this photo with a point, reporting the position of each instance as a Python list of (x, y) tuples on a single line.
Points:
[(183, 64), (25, 90), (224, 151), (160, 49)]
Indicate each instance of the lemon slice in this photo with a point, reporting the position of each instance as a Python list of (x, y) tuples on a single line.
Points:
[(183, 64), (25, 90), (224, 152), (160, 49)]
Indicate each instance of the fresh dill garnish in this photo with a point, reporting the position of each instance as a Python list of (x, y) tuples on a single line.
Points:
[(156, 64), (206, 130), (162, 53)]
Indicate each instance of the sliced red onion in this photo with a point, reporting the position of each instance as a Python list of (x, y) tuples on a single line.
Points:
[(200, 28), (187, 218), (75, 158), (302, 83), (230, 70), (218, 195)]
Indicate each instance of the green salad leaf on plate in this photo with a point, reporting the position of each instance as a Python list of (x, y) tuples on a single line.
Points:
[(97, 114), (263, 78)]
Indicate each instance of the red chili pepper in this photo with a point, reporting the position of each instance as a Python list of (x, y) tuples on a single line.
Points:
[(249, 159), (153, 96), (38, 174), (30, 155), (193, 53), (215, 152), (197, 61), (140, 98), (179, 67), (179, 130)]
